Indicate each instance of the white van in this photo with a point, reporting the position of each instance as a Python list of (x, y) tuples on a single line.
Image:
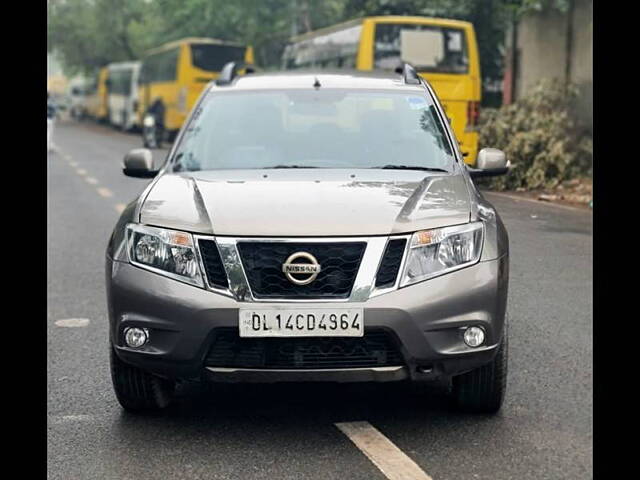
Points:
[(122, 85)]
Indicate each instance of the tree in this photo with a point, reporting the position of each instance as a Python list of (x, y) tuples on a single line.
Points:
[(89, 34)]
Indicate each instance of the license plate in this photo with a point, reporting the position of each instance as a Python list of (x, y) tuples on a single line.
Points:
[(329, 322)]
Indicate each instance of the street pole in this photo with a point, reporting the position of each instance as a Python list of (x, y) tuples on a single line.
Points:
[(569, 44), (294, 18), (514, 55)]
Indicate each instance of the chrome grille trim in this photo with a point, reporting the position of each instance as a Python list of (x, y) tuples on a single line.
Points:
[(239, 288)]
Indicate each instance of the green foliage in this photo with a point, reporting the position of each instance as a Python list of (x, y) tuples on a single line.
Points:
[(90, 34), (253, 22), (540, 138), (540, 5)]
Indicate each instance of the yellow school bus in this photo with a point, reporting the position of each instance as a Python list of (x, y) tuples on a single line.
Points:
[(96, 101), (172, 78), (443, 51)]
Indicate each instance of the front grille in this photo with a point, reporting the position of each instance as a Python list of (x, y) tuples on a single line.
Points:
[(376, 348), (213, 264), (390, 264), (339, 263)]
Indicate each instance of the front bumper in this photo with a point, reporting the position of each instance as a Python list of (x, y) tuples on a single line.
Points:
[(426, 318)]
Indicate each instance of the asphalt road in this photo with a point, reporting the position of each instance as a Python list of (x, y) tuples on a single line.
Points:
[(544, 430)]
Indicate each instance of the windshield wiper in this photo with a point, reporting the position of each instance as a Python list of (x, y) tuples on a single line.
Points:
[(411, 167), (291, 166)]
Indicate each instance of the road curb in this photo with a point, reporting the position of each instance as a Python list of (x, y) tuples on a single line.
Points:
[(537, 202)]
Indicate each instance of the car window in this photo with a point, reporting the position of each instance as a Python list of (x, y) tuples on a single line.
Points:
[(317, 128)]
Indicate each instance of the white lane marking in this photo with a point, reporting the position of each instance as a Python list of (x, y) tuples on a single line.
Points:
[(537, 202), (105, 192), (81, 171), (120, 207), (58, 419), (72, 322), (72, 163), (389, 459), (91, 180)]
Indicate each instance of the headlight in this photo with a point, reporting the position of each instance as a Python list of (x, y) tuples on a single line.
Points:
[(167, 252), (442, 250), (149, 121)]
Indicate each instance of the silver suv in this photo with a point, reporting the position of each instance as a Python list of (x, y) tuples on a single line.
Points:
[(310, 227)]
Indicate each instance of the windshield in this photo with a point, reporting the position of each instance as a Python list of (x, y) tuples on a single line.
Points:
[(120, 81), (314, 128), (213, 57), (427, 47)]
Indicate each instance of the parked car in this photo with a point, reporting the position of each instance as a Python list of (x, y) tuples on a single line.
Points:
[(310, 226)]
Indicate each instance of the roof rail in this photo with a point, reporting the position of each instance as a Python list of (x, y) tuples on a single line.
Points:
[(408, 73), (230, 71), (227, 74)]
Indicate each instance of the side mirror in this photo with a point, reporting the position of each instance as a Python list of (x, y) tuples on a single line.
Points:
[(490, 163), (139, 163)]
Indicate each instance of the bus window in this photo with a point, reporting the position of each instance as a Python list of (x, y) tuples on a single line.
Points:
[(160, 67), (333, 49), (120, 82), (167, 66), (428, 48), (212, 57)]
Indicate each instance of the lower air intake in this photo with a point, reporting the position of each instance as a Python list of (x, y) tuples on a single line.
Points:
[(375, 349)]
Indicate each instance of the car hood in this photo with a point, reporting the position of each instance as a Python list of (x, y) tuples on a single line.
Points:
[(306, 202)]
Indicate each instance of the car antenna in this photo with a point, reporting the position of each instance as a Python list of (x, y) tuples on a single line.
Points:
[(316, 84)]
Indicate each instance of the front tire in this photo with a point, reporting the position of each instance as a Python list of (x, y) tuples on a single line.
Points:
[(137, 390), (482, 390)]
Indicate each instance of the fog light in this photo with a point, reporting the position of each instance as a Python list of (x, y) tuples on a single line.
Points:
[(136, 337), (474, 336)]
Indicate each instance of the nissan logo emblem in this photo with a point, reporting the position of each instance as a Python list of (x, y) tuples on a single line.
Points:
[(301, 268)]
